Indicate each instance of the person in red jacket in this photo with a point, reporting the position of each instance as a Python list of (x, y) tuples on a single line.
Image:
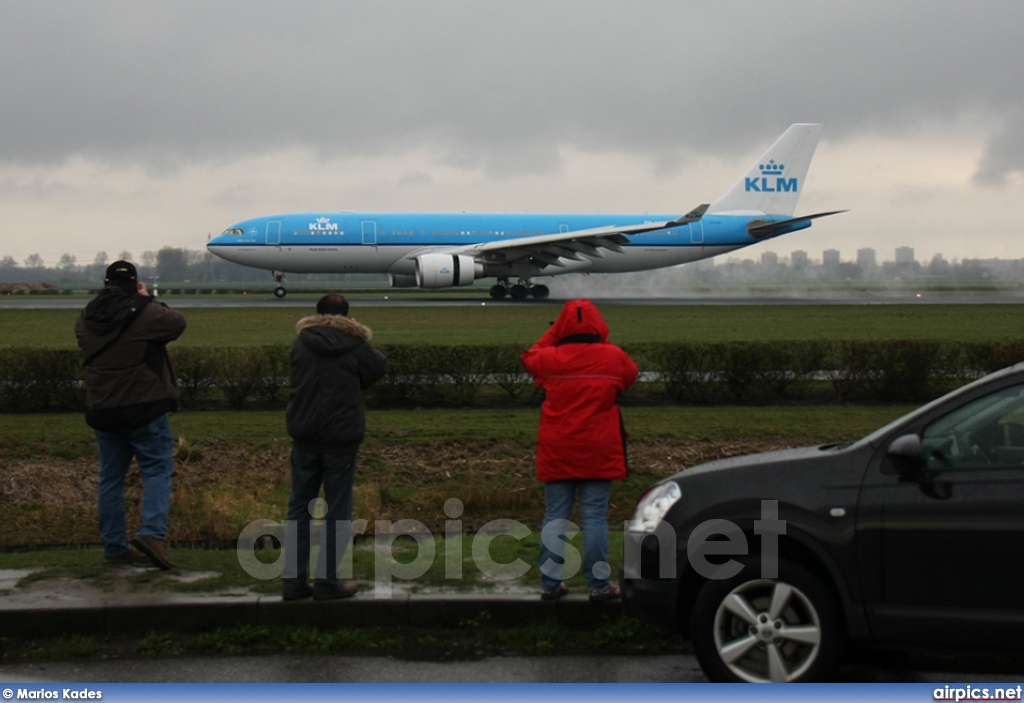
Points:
[(581, 445)]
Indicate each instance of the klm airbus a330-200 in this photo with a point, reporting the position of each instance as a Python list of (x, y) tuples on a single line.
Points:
[(439, 250)]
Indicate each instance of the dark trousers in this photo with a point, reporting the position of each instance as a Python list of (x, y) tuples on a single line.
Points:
[(310, 471)]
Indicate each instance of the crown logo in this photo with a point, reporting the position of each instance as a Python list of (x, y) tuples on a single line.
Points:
[(323, 220), (772, 169)]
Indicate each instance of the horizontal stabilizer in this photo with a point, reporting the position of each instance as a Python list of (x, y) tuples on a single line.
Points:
[(769, 228)]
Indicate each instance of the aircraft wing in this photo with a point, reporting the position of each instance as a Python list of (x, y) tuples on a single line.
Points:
[(547, 249)]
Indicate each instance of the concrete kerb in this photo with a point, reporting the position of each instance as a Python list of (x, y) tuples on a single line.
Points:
[(202, 613)]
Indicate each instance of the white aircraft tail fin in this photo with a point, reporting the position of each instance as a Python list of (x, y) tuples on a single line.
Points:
[(774, 183)]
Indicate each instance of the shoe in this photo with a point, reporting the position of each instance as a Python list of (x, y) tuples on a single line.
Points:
[(554, 593), (129, 557), (600, 595), (297, 591), (153, 548), (334, 591)]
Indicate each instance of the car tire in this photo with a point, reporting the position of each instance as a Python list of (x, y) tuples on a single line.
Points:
[(739, 635)]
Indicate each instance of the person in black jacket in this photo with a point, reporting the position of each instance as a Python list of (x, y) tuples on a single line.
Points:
[(129, 389), (332, 363)]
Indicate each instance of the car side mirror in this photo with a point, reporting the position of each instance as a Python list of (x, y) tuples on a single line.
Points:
[(907, 454)]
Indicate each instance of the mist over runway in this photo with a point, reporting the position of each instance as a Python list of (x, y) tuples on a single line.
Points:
[(301, 300)]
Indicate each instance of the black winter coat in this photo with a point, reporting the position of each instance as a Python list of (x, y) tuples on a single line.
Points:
[(332, 363), (129, 383)]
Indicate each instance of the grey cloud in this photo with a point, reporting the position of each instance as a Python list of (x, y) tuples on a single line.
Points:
[(1004, 153), (497, 86)]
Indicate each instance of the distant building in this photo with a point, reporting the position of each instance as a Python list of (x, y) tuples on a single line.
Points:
[(866, 259), (769, 258), (904, 255), (939, 267), (798, 259), (830, 257)]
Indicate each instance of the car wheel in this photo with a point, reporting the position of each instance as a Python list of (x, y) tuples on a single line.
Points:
[(755, 629)]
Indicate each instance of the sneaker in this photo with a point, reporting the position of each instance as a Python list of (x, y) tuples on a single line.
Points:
[(554, 593), (334, 591), (296, 591), (129, 557), (600, 595), (153, 548)]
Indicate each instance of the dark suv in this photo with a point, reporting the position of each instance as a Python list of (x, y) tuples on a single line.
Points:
[(771, 563)]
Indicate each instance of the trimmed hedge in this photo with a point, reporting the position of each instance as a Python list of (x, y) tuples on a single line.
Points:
[(895, 371)]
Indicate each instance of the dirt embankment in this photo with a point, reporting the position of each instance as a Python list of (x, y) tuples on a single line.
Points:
[(217, 491)]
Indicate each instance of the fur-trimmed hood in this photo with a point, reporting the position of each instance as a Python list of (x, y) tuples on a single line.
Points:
[(332, 335), (342, 323)]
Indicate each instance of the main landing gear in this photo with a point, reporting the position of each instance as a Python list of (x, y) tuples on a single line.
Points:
[(520, 291), (279, 292)]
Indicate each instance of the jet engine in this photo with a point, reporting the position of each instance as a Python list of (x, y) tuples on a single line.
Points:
[(444, 270)]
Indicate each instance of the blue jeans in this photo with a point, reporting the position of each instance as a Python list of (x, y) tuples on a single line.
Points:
[(310, 470), (560, 496), (153, 448)]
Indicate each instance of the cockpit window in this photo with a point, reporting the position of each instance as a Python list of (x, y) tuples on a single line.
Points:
[(234, 232)]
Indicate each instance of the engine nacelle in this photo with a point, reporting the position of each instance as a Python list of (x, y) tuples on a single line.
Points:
[(444, 270), (402, 280)]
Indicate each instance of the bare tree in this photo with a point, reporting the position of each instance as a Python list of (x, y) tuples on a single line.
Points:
[(34, 261), (172, 264)]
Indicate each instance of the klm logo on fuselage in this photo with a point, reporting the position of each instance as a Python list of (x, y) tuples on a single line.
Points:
[(771, 180), (323, 224)]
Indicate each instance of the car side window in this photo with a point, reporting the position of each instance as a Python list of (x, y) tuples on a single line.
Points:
[(986, 432)]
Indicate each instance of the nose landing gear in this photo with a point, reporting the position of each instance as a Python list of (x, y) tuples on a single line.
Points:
[(280, 291)]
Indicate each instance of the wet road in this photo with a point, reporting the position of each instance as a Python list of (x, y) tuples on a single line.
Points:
[(287, 668)]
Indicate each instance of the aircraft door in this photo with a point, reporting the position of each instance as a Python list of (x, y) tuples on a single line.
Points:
[(370, 232), (274, 233), (696, 233)]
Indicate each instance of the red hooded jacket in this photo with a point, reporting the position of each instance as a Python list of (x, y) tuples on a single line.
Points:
[(581, 433)]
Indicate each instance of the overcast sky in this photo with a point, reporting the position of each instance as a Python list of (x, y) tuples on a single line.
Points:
[(128, 125)]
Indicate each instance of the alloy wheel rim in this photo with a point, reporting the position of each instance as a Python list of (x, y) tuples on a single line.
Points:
[(767, 630)]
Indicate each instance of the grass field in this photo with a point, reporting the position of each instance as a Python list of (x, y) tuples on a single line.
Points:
[(522, 324), (232, 467)]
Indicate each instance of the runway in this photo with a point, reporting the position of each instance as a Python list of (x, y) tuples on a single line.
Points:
[(299, 300)]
